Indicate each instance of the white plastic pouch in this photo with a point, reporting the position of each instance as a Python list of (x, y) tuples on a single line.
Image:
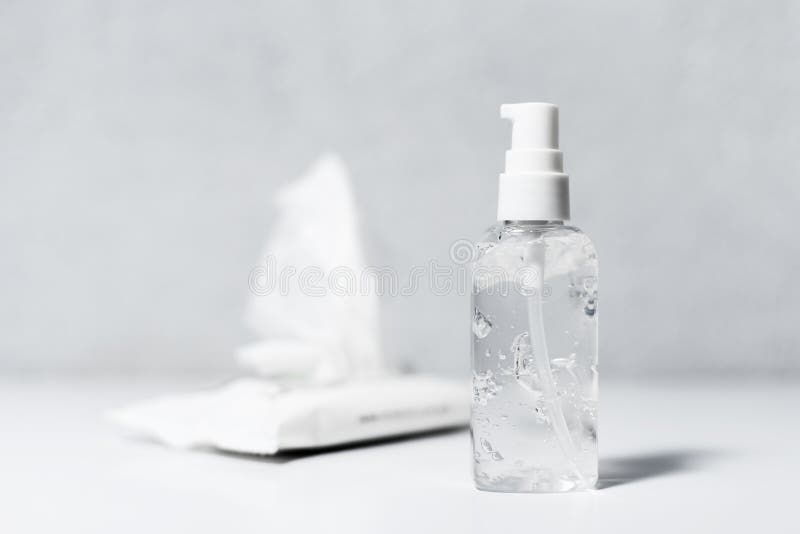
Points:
[(255, 416)]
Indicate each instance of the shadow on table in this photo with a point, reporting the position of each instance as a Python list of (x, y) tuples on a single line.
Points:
[(626, 469), (299, 454)]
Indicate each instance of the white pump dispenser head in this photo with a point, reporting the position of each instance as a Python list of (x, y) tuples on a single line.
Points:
[(533, 186)]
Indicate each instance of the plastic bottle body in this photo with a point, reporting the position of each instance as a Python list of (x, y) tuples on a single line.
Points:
[(534, 359)]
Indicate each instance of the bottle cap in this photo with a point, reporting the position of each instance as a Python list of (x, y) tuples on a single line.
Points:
[(533, 186)]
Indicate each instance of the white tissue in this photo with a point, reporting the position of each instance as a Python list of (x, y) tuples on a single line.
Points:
[(255, 417), (319, 337)]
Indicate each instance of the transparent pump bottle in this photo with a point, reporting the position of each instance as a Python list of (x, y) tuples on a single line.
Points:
[(534, 327)]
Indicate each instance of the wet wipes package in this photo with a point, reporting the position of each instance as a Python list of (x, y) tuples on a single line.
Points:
[(320, 378), (255, 416)]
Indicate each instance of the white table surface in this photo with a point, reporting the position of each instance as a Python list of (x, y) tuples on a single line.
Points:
[(676, 457)]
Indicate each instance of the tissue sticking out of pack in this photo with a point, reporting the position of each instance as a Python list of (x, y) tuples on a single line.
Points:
[(306, 335), (253, 416)]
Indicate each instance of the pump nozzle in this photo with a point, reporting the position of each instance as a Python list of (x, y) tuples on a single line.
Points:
[(534, 138), (533, 186), (535, 125)]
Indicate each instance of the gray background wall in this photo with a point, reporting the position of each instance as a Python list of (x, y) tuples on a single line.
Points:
[(140, 143)]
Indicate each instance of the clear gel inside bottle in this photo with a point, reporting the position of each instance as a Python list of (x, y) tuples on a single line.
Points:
[(534, 359)]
